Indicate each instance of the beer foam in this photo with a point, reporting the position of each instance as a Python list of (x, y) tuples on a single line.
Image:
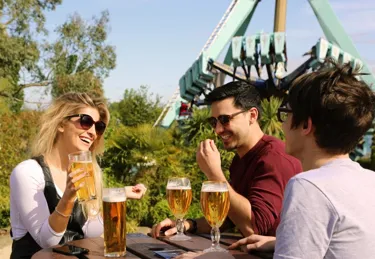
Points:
[(178, 188), (114, 198), (214, 188)]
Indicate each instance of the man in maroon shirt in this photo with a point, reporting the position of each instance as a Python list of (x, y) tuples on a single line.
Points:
[(259, 172)]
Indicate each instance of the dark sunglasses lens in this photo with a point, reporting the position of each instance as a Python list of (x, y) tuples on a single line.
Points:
[(212, 121), (100, 127), (224, 119), (86, 122)]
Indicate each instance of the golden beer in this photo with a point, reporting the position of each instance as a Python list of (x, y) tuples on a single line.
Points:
[(88, 191), (114, 219), (179, 199), (215, 206)]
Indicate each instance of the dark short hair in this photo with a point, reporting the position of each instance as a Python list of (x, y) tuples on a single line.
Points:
[(245, 95), (340, 106)]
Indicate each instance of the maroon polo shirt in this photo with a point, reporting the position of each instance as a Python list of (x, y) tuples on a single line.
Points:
[(261, 176)]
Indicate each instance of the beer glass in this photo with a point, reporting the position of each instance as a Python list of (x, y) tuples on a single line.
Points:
[(179, 197), (114, 220), (215, 206), (82, 160)]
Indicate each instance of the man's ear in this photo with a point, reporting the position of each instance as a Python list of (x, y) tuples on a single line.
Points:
[(308, 127), (254, 113)]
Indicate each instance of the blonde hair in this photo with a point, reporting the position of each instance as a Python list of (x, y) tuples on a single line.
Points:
[(54, 116)]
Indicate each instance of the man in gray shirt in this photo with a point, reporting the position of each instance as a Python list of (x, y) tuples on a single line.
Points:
[(328, 210)]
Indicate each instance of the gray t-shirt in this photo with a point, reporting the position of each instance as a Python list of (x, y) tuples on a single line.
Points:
[(328, 213)]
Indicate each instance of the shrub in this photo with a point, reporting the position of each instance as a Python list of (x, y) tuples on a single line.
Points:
[(16, 133)]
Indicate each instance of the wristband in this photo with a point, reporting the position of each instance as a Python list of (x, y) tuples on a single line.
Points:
[(194, 229)]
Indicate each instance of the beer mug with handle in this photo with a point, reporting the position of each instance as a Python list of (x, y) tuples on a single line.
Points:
[(114, 220), (83, 161), (215, 206), (179, 197)]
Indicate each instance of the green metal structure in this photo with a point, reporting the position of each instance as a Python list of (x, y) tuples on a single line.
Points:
[(258, 51)]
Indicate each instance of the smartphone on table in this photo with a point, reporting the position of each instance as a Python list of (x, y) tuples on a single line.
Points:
[(70, 250), (168, 254)]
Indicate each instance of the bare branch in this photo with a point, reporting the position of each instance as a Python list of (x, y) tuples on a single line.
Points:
[(4, 94), (23, 86), (38, 84), (39, 103), (49, 73), (9, 22)]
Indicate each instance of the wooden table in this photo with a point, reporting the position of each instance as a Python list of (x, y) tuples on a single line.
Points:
[(143, 246)]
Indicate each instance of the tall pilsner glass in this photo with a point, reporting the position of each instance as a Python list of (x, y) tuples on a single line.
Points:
[(179, 197), (82, 160), (114, 219), (215, 206)]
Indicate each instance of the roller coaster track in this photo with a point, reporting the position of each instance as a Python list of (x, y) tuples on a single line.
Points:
[(206, 46)]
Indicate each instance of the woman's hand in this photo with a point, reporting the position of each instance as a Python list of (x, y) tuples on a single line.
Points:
[(72, 178), (135, 192), (255, 242), (60, 218)]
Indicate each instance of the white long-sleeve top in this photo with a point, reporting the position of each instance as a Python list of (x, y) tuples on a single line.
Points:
[(29, 209)]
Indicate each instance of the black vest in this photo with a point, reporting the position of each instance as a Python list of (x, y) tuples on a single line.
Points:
[(26, 246)]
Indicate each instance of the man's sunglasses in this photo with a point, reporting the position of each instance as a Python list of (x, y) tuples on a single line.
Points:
[(223, 119), (282, 113), (86, 122)]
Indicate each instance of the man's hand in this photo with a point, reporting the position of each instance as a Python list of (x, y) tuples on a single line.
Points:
[(135, 192), (208, 159), (255, 242), (167, 223)]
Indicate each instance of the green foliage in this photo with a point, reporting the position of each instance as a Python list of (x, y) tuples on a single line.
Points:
[(4, 206), (131, 226), (142, 154), (80, 57), (20, 23), (19, 16), (16, 134), (5, 103), (137, 107), (269, 122), (160, 211), (84, 82), (15, 53), (196, 129), (78, 60)]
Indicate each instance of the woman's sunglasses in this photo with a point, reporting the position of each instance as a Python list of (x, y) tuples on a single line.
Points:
[(223, 119), (86, 122)]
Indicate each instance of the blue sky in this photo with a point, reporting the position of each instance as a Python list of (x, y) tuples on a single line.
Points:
[(157, 40)]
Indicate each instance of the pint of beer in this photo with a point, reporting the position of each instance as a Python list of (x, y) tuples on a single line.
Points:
[(82, 160), (114, 218), (215, 206)]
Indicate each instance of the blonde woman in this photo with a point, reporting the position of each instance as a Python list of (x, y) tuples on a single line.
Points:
[(44, 211)]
